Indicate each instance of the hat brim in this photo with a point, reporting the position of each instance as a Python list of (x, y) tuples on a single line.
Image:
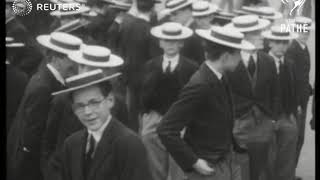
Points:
[(268, 35), (44, 40), (277, 15), (206, 34), (262, 23), (241, 12), (157, 32), (211, 11), (15, 45), (114, 61), (120, 7), (82, 9), (87, 84), (181, 6), (68, 25)]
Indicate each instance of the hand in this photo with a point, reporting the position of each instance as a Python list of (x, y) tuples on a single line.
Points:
[(299, 110), (202, 167)]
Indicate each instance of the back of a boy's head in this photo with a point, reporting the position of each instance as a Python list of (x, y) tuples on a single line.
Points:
[(145, 5)]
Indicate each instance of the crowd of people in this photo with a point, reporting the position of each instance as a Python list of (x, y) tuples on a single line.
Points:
[(156, 90)]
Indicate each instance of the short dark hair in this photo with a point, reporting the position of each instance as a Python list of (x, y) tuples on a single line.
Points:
[(50, 53), (105, 88), (145, 5), (215, 50)]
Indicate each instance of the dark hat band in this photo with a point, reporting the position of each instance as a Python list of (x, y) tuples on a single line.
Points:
[(85, 80), (95, 58), (282, 34), (201, 10), (226, 38), (176, 5), (172, 33), (261, 13), (64, 45), (246, 25)]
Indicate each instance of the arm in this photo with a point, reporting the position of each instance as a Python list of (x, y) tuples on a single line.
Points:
[(180, 115), (49, 140), (132, 162), (36, 109)]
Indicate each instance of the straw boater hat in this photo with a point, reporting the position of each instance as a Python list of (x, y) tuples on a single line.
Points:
[(171, 31), (71, 26), (97, 56), (72, 11), (10, 43), (247, 23), (174, 5), (60, 42), (203, 8), (276, 33), (264, 12), (85, 79), (225, 36), (121, 4), (301, 20)]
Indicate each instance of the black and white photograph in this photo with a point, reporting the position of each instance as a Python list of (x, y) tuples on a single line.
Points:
[(160, 89)]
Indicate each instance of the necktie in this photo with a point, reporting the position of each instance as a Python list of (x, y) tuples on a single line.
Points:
[(88, 156), (251, 66), (168, 68), (90, 147)]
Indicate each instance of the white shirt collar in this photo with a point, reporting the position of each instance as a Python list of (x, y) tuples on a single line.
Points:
[(173, 62), (134, 12), (188, 23), (245, 56), (303, 46), (277, 61), (217, 73), (56, 74), (97, 135)]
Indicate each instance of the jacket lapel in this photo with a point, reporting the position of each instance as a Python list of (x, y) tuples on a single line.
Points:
[(243, 72), (103, 148), (79, 154)]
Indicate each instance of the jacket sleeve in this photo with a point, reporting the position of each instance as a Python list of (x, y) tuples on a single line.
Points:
[(180, 115), (49, 139), (132, 162), (36, 111)]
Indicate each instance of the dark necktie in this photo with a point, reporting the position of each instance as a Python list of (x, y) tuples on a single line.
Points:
[(89, 153), (91, 143), (251, 66), (168, 68)]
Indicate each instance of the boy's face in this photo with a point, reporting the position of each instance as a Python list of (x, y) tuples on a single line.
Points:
[(231, 60), (92, 107), (181, 16), (204, 21), (303, 37), (171, 47), (278, 47), (255, 38)]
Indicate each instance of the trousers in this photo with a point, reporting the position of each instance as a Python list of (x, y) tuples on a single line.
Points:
[(253, 131), (227, 169), (283, 162), (162, 165)]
